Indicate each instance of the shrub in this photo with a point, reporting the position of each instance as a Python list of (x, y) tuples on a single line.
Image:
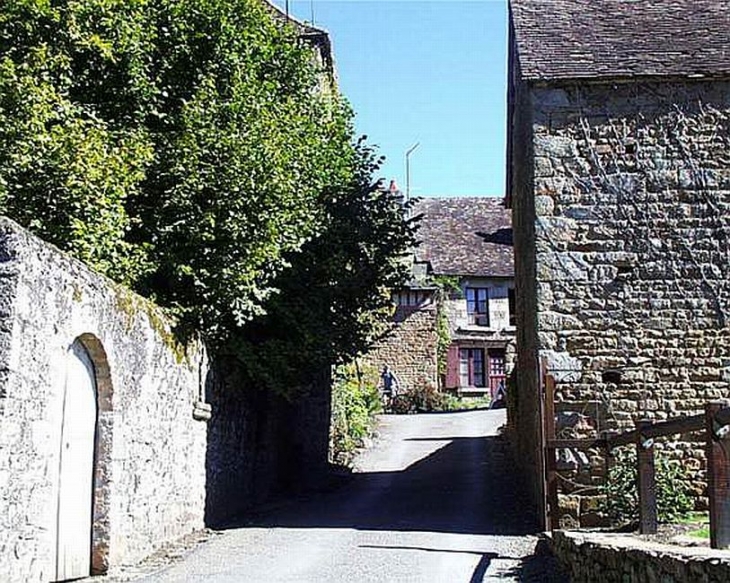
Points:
[(354, 406), (425, 398), (673, 488)]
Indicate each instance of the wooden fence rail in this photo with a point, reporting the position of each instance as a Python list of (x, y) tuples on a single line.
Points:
[(714, 422)]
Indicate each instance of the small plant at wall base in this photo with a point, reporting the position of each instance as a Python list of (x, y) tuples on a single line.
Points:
[(673, 488), (355, 403)]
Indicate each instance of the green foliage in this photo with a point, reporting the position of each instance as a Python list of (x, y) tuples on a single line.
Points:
[(334, 299), (446, 288), (65, 173), (425, 398), (187, 149), (354, 406), (673, 488), (178, 146), (421, 398)]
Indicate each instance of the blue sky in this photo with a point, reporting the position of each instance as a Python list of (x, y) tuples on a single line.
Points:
[(432, 72)]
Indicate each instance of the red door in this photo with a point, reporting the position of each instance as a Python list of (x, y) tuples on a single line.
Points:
[(496, 370)]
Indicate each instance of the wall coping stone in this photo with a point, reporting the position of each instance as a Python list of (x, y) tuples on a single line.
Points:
[(599, 549)]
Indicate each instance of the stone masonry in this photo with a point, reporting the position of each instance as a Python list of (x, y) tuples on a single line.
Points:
[(631, 198), (410, 348), (150, 466), (618, 558), (619, 182), (180, 443)]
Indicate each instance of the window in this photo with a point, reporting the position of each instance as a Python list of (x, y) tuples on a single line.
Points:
[(412, 298), (477, 305), (471, 367), (496, 363)]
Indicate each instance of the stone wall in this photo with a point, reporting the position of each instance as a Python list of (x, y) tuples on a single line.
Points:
[(631, 187), (523, 413), (612, 558), (161, 471), (150, 466), (260, 444), (410, 348)]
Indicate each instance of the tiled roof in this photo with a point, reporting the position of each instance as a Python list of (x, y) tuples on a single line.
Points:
[(571, 39), (465, 236)]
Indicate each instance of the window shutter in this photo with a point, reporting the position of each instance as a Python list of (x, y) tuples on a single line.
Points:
[(452, 367)]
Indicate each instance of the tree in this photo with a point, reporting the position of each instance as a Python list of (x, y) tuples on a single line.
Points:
[(178, 146), (336, 297), (185, 148)]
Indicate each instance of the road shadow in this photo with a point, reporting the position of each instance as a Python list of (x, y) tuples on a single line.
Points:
[(467, 486), (539, 567)]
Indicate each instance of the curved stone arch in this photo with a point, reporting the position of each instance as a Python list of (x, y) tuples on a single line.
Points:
[(100, 535)]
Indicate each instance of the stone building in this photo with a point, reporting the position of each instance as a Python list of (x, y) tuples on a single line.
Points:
[(619, 183), (454, 322), (317, 38)]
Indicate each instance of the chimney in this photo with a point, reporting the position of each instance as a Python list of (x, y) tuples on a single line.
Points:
[(396, 193)]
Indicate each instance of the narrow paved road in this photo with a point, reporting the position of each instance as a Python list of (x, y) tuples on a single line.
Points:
[(434, 500)]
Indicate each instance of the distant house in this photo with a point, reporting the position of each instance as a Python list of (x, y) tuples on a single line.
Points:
[(619, 183), (453, 325)]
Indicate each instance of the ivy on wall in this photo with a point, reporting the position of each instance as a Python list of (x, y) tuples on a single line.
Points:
[(447, 287)]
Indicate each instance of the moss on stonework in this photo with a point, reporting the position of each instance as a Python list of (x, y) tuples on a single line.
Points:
[(77, 294), (132, 305)]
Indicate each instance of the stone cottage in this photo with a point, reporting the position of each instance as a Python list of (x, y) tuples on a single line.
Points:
[(454, 321), (619, 184)]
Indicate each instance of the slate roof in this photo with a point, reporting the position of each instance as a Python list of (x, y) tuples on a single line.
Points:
[(465, 236), (571, 39)]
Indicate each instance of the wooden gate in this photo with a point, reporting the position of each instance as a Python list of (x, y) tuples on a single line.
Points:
[(76, 475)]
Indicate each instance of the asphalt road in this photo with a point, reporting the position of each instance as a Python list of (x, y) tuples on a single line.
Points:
[(434, 500)]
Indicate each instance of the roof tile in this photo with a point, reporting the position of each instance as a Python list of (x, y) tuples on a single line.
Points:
[(570, 39), (465, 236)]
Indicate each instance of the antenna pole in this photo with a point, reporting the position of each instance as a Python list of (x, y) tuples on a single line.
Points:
[(408, 169)]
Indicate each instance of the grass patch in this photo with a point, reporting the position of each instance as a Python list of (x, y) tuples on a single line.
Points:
[(703, 532), (701, 519), (694, 518), (454, 403)]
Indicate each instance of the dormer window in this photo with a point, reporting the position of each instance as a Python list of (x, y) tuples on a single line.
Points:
[(413, 298), (477, 305)]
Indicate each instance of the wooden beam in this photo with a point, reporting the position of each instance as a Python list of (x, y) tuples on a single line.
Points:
[(678, 425), (551, 476), (586, 443), (718, 478), (647, 481)]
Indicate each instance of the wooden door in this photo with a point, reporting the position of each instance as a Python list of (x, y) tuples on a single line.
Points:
[(76, 479), (497, 371)]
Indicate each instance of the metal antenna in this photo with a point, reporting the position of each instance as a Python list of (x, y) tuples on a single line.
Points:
[(408, 169), (311, 5)]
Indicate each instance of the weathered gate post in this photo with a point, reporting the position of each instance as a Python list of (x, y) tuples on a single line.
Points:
[(717, 417), (551, 475), (647, 480)]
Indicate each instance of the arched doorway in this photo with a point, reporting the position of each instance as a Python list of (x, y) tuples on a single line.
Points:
[(76, 466)]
